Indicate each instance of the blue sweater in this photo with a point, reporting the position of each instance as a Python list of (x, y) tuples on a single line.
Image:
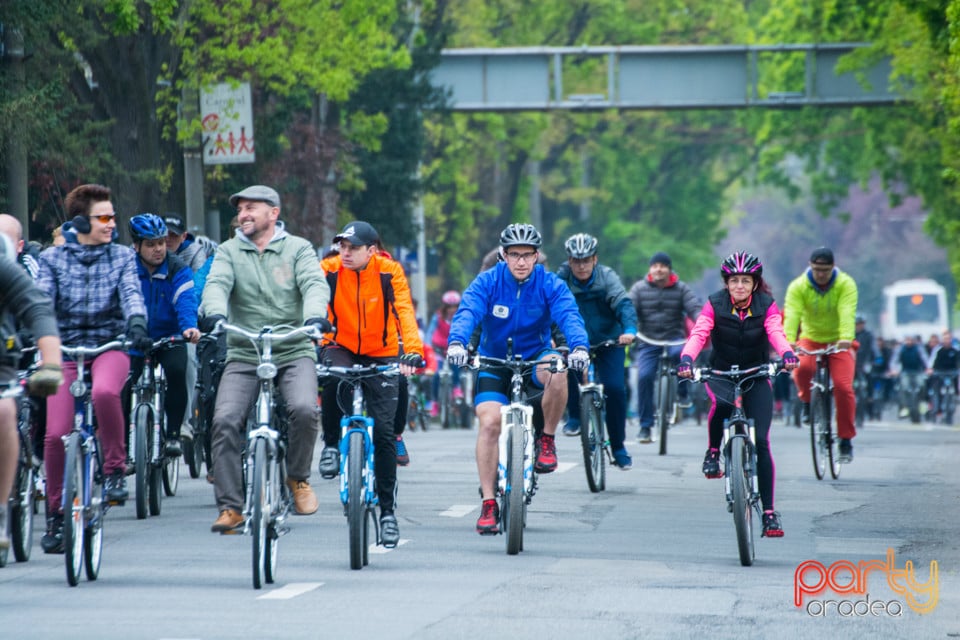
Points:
[(170, 297)]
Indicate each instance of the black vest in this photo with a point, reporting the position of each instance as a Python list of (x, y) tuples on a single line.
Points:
[(735, 341)]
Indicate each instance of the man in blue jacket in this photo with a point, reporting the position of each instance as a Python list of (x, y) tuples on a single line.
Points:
[(168, 291), (516, 299), (609, 315)]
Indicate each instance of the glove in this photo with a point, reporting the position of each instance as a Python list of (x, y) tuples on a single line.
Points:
[(137, 334), (45, 381), (412, 360), (456, 354), (790, 360), (685, 369), (209, 323), (322, 324), (579, 359)]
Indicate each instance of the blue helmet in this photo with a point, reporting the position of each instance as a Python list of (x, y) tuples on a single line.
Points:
[(147, 226)]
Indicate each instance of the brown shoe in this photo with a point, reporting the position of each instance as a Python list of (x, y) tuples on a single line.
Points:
[(304, 499), (229, 521)]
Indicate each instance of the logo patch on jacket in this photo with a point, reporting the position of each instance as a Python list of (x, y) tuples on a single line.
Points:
[(500, 311)]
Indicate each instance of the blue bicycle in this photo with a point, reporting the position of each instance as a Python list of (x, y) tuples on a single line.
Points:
[(84, 489), (358, 491)]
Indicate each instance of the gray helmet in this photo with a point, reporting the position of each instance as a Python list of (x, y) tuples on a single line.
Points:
[(581, 245), (520, 235)]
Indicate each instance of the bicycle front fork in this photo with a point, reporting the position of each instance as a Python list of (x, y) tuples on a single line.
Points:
[(516, 419)]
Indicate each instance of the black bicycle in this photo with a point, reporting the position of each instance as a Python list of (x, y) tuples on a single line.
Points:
[(21, 506), (823, 439), (593, 421), (664, 389), (740, 455), (210, 361)]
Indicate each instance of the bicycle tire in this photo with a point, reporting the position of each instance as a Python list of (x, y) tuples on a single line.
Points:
[(592, 440), (276, 488), (818, 433), (740, 490), (141, 459), (192, 449), (832, 439), (73, 515), (93, 519), (445, 395), (21, 514), (515, 497), (356, 501), (260, 510), (154, 471), (367, 519), (170, 468), (664, 407)]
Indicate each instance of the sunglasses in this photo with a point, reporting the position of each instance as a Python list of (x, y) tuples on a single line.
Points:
[(105, 218)]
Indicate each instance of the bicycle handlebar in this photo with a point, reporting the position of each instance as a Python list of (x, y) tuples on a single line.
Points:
[(74, 352), (738, 375), (659, 343), (14, 389), (358, 371), (516, 364), (825, 351), (267, 334)]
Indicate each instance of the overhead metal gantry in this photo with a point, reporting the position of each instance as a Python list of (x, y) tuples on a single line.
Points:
[(657, 77)]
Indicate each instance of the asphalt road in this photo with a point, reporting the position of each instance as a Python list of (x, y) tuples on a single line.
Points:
[(654, 556)]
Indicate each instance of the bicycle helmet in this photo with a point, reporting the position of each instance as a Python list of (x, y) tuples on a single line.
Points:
[(520, 234), (451, 298), (580, 246), (741, 262), (147, 226)]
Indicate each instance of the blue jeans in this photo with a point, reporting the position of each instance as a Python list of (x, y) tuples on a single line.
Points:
[(608, 367), (648, 360)]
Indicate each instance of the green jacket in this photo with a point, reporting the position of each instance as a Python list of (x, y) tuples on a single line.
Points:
[(823, 316), (282, 286)]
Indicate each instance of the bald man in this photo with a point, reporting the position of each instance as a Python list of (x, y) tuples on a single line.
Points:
[(11, 227)]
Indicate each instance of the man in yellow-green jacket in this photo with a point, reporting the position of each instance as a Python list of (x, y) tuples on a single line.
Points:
[(821, 309)]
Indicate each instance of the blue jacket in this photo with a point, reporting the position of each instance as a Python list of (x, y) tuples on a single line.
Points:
[(603, 302), (505, 308), (170, 297)]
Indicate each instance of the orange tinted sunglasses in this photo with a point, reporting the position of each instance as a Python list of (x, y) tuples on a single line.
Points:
[(105, 218)]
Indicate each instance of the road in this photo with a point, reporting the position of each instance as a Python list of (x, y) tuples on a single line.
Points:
[(654, 556)]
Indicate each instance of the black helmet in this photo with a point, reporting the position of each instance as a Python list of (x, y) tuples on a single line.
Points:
[(580, 246), (741, 262), (520, 234)]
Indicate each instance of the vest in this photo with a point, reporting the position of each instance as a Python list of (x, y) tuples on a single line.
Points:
[(735, 341)]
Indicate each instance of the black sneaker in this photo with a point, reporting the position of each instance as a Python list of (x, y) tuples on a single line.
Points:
[(846, 450), (711, 464), (389, 529), (804, 413), (52, 540), (117, 488), (771, 525), (329, 466)]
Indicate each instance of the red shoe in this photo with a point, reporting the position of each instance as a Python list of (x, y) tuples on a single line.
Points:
[(546, 455), (489, 521), (771, 525)]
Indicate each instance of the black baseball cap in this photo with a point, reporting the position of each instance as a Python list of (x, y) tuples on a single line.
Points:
[(358, 234), (821, 256)]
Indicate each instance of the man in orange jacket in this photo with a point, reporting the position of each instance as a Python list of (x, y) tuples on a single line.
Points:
[(372, 312)]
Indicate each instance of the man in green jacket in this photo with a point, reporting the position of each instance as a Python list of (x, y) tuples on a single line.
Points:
[(264, 276), (822, 304)]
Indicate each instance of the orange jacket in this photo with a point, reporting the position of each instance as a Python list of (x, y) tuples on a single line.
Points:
[(367, 306)]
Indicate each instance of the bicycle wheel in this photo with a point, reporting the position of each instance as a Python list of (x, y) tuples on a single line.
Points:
[(370, 516), (592, 439), (515, 498), (73, 525), (819, 432), (831, 439), (21, 512), (664, 408), (170, 470), (192, 449), (93, 519), (141, 457), (154, 469), (740, 490), (444, 398), (261, 510), (276, 480), (356, 503)]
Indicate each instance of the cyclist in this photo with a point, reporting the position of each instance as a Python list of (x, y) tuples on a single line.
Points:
[(608, 315), (96, 295), (821, 308), (945, 363), (661, 301), (909, 365), (372, 312), (168, 291), (439, 331), (19, 297), (743, 323), (518, 299), (263, 276)]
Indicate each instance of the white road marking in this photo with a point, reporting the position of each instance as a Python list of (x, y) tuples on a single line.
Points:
[(458, 510), (381, 550), (291, 590)]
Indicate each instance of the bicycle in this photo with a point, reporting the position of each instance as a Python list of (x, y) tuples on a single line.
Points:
[(358, 491), (664, 389), (85, 502), (593, 422), (21, 505), (196, 450), (454, 409), (944, 395), (740, 455), (823, 440), (516, 474), (155, 473), (417, 414), (268, 500)]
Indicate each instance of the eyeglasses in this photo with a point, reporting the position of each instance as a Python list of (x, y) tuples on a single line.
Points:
[(513, 256), (105, 218)]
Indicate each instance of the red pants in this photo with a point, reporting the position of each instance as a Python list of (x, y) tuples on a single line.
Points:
[(842, 367)]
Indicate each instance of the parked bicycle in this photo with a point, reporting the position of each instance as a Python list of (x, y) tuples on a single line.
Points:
[(665, 389), (155, 472), (739, 453), (824, 440), (357, 471), (593, 424), (517, 477), (85, 501)]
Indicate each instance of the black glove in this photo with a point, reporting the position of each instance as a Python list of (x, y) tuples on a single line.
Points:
[(412, 360), (790, 360), (322, 324), (137, 334), (685, 370), (209, 323)]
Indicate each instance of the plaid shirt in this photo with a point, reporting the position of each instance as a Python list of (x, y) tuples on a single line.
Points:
[(94, 288)]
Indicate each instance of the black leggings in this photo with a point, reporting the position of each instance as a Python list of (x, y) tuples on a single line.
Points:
[(757, 404)]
